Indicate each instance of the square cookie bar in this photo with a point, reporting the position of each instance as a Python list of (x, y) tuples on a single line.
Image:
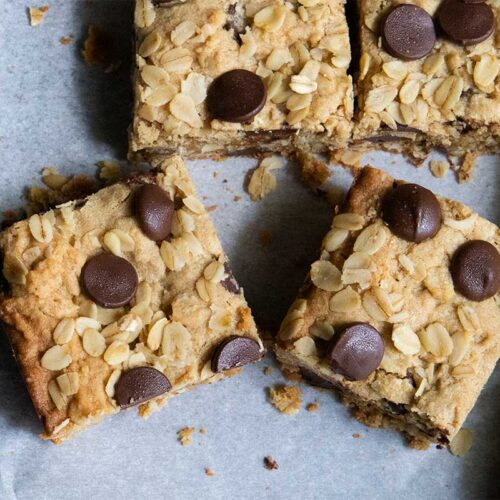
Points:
[(429, 76), (125, 298), (399, 314), (220, 77)]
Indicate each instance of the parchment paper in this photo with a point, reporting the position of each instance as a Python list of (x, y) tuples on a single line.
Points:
[(54, 110)]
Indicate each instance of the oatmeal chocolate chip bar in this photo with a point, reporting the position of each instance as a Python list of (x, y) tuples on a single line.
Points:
[(220, 77), (400, 314), (429, 76), (125, 298)]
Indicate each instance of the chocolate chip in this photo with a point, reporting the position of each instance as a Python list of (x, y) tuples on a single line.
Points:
[(140, 384), (315, 379), (412, 212), (154, 211), (468, 23), (355, 351), (230, 283), (109, 281), (236, 96), (235, 351), (475, 269), (408, 32), (395, 408)]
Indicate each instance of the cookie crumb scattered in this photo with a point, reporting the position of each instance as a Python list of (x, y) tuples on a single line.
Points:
[(52, 179), (37, 14), (270, 463), (66, 40), (286, 398), (202, 430), (185, 435), (267, 370), (314, 171), (417, 443), (461, 443), (209, 472), (237, 198), (439, 168), (109, 171), (313, 407), (98, 49), (212, 208), (356, 435), (347, 158), (466, 170), (262, 181)]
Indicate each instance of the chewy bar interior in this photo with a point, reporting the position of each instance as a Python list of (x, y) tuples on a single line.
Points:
[(400, 314), (218, 77), (429, 76), (123, 299)]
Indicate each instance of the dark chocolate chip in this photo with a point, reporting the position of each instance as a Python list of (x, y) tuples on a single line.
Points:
[(236, 96), (408, 32), (475, 269), (355, 351), (154, 211), (412, 212), (230, 283), (110, 281), (316, 380), (235, 351), (467, 23), (396, 408), (140, 384)]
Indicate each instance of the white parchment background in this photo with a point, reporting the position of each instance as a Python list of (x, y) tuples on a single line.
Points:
[(54, 110)]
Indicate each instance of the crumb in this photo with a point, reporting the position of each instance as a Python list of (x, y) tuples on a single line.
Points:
[(66, 40), (262, 181), (416, 443), (267, 370), (439, 168), (37, 14), (286, 399), (265, 237), (209, 472), (52, 179), (237, 198), (215, 174), (466, 170), (348, 158), (314, 171), (212, 208), (270, 463), (313, 407), (202, 430), (76, 187), (109, 171), (356, 435), (185, 435), (98, 49)]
